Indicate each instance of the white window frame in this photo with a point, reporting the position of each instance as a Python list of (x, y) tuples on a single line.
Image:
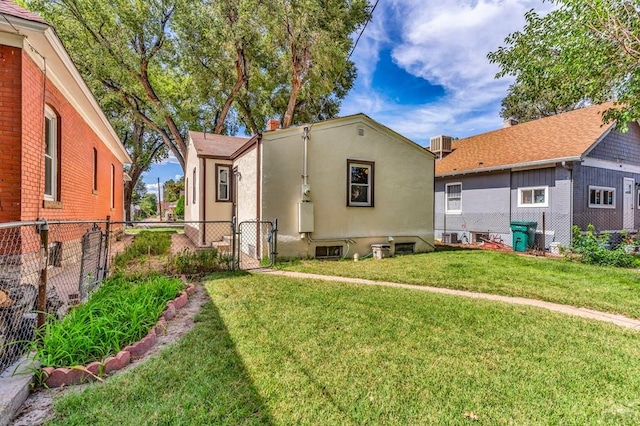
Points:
[(369, 165), (51, 153), (112, 203), (602, 206), (533, 189), (446, 198), (220, 170)]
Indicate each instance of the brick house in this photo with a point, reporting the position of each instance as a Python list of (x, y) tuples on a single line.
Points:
[(60, 157), (559, 171)]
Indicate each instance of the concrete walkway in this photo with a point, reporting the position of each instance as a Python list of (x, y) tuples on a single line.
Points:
[(619, 320)]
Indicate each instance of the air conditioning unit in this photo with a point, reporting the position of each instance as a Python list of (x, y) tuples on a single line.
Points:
[(440, 145)]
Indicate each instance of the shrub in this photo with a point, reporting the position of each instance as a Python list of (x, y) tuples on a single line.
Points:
[(120, 313), (594, 249), (179, 211), (197, 262)]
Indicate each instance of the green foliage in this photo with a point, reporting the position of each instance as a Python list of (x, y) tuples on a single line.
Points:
[(585, 50), (198, 262), (594, 249), (144, 243), (179, 211), (148, 205), (172, 188), (120, 313)]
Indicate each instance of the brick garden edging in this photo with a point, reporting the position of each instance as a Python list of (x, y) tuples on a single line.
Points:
[(56, 377)]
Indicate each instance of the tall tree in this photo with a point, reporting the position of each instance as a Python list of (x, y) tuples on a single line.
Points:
[(172, 188), (126, 45), (523, 104), (585, 51)]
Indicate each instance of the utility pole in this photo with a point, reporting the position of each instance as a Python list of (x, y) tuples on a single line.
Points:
[(159, 202)]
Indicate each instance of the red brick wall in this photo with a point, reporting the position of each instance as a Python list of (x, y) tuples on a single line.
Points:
[(10, 132), (76, 196)]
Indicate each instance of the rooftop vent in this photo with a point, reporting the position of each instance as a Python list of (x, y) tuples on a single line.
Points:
[(440, 145)]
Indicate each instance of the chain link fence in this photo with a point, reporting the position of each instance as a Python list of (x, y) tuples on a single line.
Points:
[(552, 230), (46, 268)]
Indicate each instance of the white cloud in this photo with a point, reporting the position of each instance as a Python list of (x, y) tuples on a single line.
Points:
[(171, 159), (152, 188), (446, 43)]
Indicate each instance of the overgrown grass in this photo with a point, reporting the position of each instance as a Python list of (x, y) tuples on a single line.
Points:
[(145, 243), (555, 280), (121, 312), (275, 350), (173, 228), (190, 262)]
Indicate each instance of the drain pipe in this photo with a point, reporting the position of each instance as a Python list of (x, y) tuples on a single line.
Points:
[(305, 176)]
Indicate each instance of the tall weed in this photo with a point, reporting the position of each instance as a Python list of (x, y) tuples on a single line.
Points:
[(594, 249)]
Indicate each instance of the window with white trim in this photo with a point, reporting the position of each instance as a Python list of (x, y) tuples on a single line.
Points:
[(534, 196), (602, 197), (50, 155), (453, 197), (222, 184), (113, 186), (360, 183), (194, 196)]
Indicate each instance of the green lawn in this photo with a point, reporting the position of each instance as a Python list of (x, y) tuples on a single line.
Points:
[(276, 350), (555, 280)]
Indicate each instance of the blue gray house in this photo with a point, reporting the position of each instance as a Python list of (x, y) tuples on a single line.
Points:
[(559, 171)]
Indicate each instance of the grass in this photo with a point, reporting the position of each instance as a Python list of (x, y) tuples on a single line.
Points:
[(118, 314), (145, 243), (276, 350), (555, 280), (178, 228)]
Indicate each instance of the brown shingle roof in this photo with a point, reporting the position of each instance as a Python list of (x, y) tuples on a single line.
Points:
[(8, 7), (560, 136), (212, 145)]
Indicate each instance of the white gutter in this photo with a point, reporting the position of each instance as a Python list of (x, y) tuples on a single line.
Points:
[(520, 166)]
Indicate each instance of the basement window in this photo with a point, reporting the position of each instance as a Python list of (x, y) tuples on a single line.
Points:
[(404, 248), (602, 197), (328, 252)]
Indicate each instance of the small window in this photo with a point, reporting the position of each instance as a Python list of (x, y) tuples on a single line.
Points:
[(533, 196), (404, 248), (222, 184), (113, 186), (95, 170), (602, 197), (51, 155), (453, 198), (193, 192), (328, 252), (186, 191), (360, 183)]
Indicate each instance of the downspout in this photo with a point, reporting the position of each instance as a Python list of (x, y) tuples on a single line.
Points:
[(571, 189), (305, 165), (203, 200), (258, 194)]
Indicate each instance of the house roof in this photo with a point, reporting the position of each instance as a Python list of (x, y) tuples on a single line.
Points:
[(8, 7), (212, 145), (562, 137)]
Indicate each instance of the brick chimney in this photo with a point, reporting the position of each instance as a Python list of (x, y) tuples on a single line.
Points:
[(273, 124)]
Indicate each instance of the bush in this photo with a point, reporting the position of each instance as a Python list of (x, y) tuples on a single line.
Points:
[(594, 249), (120, 313), (197, 262), (179, 211)]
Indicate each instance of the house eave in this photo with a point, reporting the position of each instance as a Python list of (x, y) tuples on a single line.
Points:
[(517, 166)]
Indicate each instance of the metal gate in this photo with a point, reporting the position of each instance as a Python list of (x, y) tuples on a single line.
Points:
[(256, 244), (94, 257)]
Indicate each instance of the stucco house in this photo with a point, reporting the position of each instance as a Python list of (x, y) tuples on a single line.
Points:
[(60, 157), (571, 167), (336, 187)]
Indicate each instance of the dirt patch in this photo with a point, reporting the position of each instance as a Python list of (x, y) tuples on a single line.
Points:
[(38, 408)]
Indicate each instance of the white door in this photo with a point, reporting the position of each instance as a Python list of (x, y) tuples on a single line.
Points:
[(628, 210)]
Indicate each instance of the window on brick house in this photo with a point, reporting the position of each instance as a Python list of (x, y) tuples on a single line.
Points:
[(95, 170), (113, 186), (51, 155)]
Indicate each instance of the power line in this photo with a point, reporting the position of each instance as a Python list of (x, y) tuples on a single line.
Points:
[(362, 31)]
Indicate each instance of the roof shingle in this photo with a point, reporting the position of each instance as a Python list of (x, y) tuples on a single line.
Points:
[(8, 7), (560, 136), (212, 145)]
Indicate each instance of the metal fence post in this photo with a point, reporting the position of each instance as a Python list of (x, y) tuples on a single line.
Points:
[(107, 232), (41, 303), (274, 237), (233, 244)]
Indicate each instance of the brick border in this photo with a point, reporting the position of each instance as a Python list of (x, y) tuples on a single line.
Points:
[(65, 376)]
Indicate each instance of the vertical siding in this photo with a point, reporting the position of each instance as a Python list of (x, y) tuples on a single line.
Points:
[(602, 219)]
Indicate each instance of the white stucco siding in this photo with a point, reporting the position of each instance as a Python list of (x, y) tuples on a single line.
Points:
[(192, 212), (403, 187), (246, 185)]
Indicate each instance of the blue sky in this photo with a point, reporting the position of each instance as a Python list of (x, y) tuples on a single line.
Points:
[(423, 70)]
